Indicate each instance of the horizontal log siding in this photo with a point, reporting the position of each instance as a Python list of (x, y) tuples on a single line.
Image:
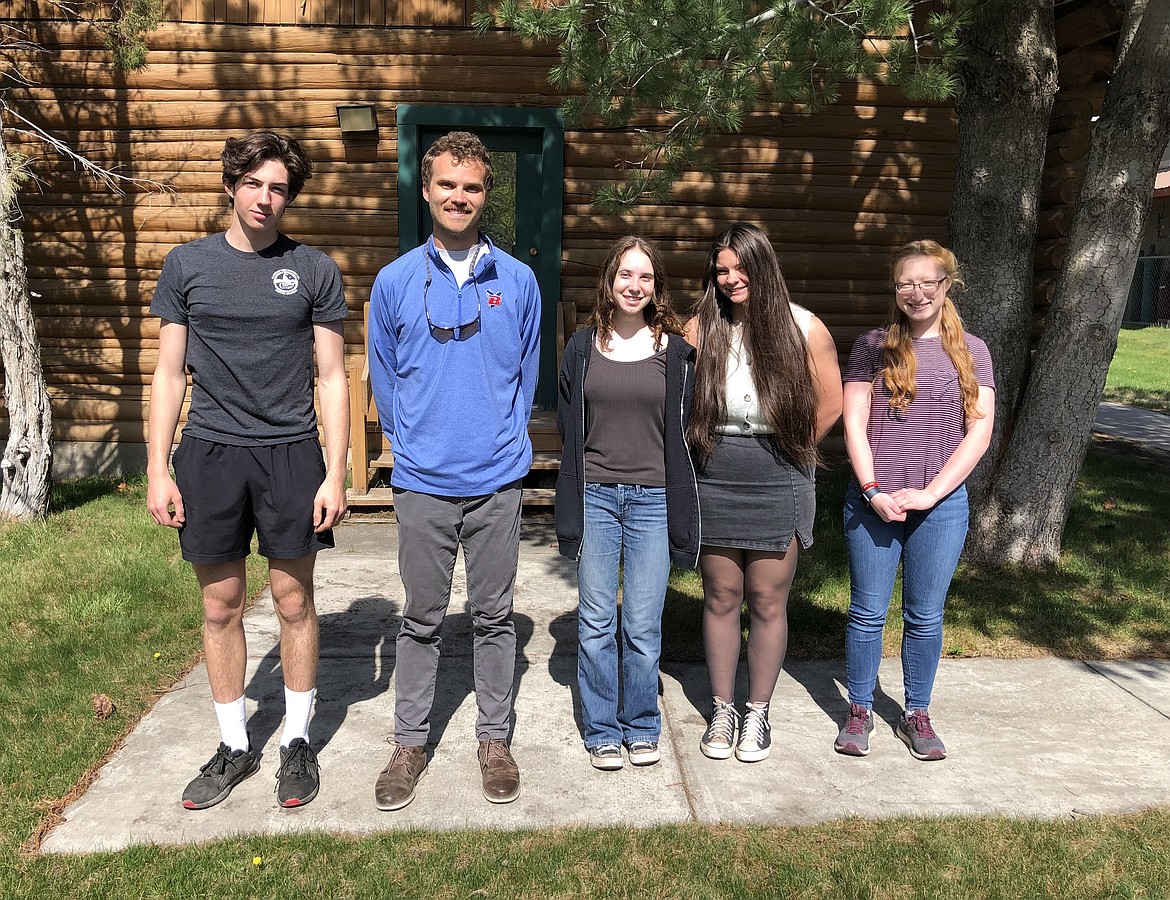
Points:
[(835, 190), (424, 13)]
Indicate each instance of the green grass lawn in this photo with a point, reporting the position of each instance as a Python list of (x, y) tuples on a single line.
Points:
[(1140, 371), (94, 600), (91, 595)]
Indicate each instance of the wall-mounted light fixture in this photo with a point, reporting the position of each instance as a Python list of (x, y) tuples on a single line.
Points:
[(357, 118)]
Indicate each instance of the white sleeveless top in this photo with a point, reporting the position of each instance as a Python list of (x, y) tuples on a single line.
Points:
[(743, 404)]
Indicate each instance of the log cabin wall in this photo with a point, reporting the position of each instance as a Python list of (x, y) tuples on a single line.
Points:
[(835, 190)]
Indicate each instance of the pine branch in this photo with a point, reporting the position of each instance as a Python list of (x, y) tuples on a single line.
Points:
[(705, 64)]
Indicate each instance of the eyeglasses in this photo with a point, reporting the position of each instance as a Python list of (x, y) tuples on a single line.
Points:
[(928, 288), (449, 332)]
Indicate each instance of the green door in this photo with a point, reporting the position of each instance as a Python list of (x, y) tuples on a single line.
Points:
[(524, 209)]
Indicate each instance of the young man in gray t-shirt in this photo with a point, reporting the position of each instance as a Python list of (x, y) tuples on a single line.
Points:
[(244, 312)]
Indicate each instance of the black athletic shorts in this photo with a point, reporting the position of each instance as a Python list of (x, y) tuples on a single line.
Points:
[(229, 492)]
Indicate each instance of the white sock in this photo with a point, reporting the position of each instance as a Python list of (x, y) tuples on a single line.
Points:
[(233, 723), (298, 706)]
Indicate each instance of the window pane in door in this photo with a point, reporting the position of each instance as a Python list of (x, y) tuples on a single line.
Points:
[(499, 219)]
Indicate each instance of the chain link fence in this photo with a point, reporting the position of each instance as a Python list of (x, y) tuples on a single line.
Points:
[(1149, 294)]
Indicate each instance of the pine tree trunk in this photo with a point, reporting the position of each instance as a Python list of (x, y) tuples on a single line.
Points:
[(1026, 510), (27, 462), (1009, 81)]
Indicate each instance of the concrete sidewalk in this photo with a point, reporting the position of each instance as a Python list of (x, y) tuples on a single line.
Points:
[(1032, 738), (1133, 424)]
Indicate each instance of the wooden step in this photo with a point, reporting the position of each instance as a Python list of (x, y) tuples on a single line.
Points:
[(381, 459), (542, 459), (383, 497), (546, 459)]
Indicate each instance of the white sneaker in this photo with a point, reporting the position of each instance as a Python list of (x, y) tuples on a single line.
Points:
[(607, 756), (644, 753)]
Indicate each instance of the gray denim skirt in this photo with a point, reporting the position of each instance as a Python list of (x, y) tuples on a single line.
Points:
[(753, 497)]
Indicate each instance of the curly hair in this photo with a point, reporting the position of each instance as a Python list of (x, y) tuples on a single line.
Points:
[(659, 313), (463, 147), (900, 366), (775, 346), (241, 155)]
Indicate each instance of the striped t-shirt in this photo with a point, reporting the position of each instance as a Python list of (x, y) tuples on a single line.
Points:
[(910, 448)]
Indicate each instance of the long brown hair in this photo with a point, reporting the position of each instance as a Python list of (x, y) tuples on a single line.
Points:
[(775, 346), (659, 312), (900, 367)]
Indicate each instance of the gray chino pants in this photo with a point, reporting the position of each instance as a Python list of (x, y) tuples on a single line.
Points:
[(430, 531)]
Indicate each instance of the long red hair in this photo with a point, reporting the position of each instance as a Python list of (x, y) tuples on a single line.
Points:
[(900, 367)]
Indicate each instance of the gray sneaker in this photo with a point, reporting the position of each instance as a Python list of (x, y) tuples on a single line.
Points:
[(718, 740), (218, 776), (644, 753), (854, 737), (607, 757), (916, 733)]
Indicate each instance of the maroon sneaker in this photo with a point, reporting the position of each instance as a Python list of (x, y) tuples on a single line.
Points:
[(916, 732), (854, 737)]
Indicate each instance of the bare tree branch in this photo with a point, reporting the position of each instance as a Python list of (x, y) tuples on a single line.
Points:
[(111, 179)]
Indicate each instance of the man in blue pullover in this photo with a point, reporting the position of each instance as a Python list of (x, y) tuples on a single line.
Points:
[(454, 349)]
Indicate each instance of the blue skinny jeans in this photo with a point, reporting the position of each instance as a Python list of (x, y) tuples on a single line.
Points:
[(928, 545)]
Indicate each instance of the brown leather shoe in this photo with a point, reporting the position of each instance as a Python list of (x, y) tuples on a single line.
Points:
[(501, 775), (395, 786)]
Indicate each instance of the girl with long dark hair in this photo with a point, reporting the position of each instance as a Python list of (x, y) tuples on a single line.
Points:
[(767, 389)]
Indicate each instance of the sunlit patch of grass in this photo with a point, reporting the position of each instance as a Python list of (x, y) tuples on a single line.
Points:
[(88, 596), (1140, 372), (1106, 598), (901, 859)]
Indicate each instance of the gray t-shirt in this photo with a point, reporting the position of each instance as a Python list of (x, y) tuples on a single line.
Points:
[(249, 319)]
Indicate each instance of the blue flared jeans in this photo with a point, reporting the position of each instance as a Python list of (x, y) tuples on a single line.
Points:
[(928, 545), (625, 529)]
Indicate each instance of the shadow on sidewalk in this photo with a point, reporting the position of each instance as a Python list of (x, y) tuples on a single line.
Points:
[(824, 681), (455, 680), (562, 663), (356, 664)]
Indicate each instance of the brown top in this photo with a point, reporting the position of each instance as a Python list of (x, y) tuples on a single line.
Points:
[(625, 405)]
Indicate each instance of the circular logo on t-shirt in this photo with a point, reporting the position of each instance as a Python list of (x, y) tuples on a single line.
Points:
[(286, 281)]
